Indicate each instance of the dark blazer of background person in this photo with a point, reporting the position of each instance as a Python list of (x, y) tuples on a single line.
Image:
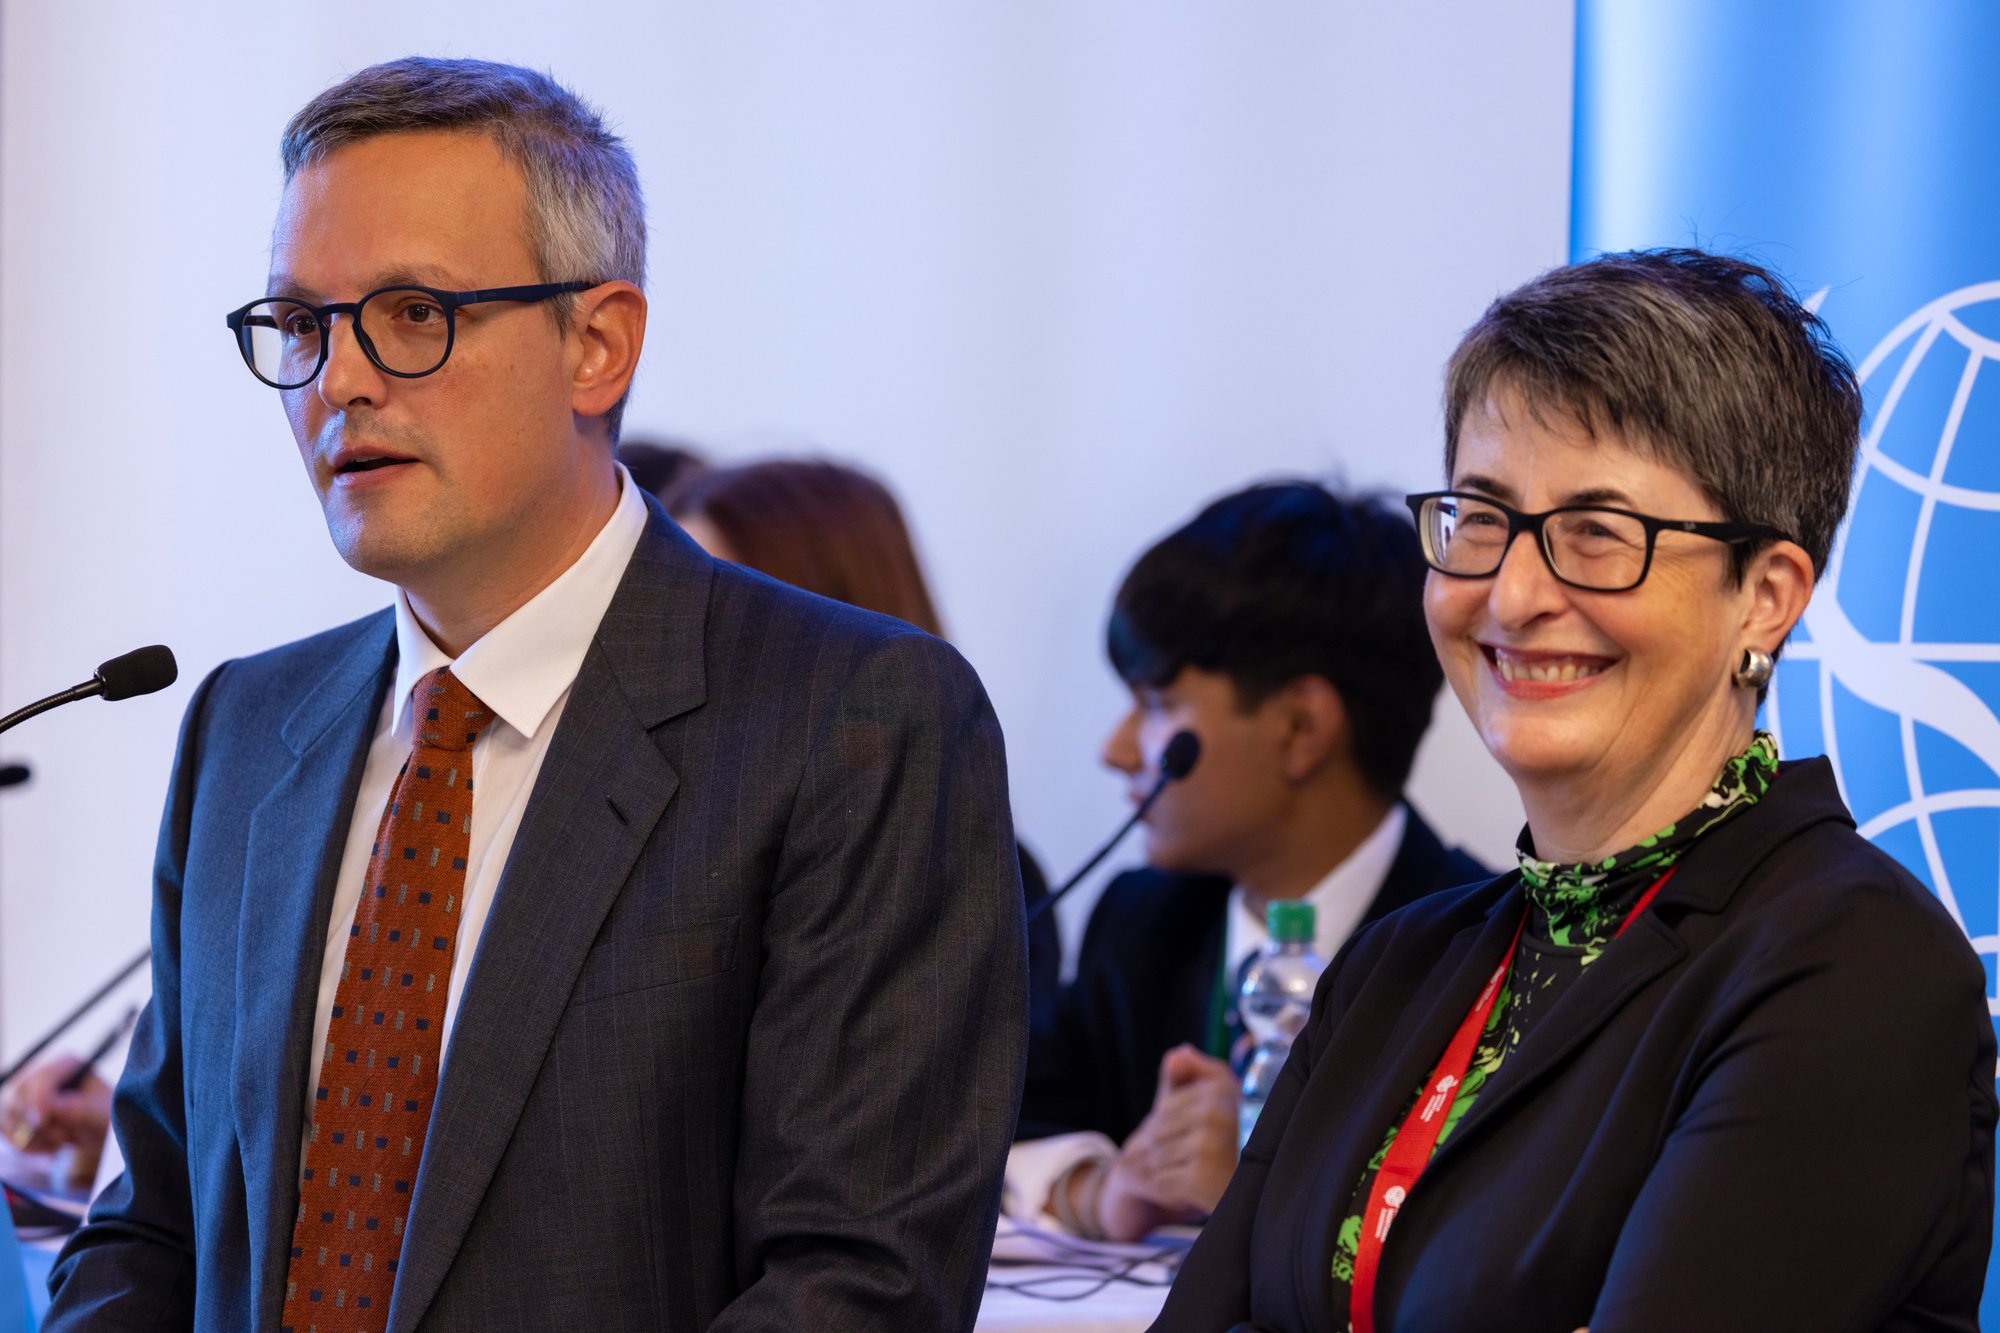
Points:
[(1656, 1151), (1145, 983), (743, 1039)]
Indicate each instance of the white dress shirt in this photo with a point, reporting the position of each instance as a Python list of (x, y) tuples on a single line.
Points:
[(1339, 902), (522, 669)]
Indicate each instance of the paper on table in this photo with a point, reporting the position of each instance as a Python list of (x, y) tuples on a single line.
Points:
[(42, 1177)]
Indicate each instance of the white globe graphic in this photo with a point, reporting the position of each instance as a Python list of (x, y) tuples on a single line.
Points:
[(1895, 674)]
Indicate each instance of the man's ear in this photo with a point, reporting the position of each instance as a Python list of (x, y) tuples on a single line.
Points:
[(610, 328), (1316, 728), (1779, 583)]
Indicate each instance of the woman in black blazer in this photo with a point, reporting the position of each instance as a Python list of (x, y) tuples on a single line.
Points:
[(1707, 1060)]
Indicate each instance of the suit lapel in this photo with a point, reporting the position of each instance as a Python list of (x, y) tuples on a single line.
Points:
[(1635, 958), (1411, 875), (1382, 1091), (1706, 881), (296, 837), (1199, 994), (602, 789), (1423, 865)]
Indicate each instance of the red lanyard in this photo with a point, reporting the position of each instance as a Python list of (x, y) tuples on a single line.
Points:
[(1417, 1139)]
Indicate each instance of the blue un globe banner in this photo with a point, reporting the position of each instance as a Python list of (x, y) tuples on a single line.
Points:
[(1854, 148), (1896, 673)]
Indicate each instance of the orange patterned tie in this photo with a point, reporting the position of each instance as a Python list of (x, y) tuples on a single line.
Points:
[(365, 1135)]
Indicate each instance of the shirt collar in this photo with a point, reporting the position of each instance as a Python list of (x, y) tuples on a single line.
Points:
[(522, 667), (1359, 877), (1339, 900)]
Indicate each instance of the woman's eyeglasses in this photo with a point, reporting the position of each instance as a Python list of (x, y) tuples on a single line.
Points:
[(1586, 546)]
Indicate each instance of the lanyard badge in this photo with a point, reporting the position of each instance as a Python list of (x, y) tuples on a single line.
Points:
[(1417, 1138)]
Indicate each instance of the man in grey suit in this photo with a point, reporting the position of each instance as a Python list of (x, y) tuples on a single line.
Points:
[(710, 1014)]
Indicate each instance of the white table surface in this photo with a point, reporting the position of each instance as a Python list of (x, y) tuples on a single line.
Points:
[(1070, 1293), (1118, 1308), (1113, 1307)]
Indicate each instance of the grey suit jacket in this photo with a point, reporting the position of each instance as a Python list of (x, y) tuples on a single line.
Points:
[(742, 1042)]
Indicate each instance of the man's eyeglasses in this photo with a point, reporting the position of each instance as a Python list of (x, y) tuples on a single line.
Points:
[(1597, 549), (407, 332)]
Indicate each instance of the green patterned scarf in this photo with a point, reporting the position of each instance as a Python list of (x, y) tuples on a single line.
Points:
[(1583, 905)]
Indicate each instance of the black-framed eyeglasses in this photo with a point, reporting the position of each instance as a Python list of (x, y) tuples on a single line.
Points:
[(406, 331), (1586, 546)]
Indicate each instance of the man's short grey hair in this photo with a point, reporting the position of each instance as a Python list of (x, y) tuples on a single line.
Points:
[(586, 218), (1705, 362)]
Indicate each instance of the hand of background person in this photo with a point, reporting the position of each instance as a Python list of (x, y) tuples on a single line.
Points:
[(40, 1117), (1177, 1163)]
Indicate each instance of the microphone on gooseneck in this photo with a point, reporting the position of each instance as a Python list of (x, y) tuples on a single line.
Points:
[(141, 671), (1176, 762), (13, 775)]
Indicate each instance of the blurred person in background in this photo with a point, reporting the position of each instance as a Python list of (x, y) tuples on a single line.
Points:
[(1707, 1059), (658, 466), (814, 524), (1283, 626), (60, 1108), (839, 532), (40, 1115)]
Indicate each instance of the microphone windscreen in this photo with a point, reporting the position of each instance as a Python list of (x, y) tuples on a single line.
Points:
[(13, 775), (1178, 759), (141, 671)]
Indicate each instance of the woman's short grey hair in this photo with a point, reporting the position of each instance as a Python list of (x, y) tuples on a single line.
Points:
[(586, 218), (1707, 363)]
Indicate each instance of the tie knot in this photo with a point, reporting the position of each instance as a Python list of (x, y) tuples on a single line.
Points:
[(449, 716)]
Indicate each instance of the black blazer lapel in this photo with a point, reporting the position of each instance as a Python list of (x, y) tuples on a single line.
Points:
[(297, 834), (1705, 882), (602, 788), (1635, 958), (1382, 1091)]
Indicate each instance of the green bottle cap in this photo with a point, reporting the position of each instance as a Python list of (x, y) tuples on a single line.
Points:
[(1290, 923)]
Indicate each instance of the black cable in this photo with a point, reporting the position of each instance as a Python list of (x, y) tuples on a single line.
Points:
[(69, 1020), (1096, 1278), (1091, 1267)]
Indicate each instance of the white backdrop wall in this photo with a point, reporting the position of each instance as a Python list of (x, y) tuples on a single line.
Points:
[(1059, 271)]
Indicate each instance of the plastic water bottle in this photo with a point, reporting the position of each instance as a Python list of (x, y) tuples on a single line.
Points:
[(1275, 1002)]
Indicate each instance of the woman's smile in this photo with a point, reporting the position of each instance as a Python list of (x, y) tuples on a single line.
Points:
[(1540, 674)]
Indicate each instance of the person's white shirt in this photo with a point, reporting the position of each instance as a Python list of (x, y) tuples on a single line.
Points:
[(522, 669), (1339, 901)]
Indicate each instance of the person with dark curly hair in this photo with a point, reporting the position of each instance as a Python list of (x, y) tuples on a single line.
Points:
[(1283, 626)]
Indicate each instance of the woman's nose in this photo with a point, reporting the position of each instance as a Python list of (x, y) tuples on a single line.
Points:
[(1524, 587)]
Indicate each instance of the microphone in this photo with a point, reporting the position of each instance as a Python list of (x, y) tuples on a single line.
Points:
[(13, 775), (141, 671), (1176, 762)]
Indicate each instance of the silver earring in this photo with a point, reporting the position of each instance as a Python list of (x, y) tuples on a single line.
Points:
[(1754, 671)]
